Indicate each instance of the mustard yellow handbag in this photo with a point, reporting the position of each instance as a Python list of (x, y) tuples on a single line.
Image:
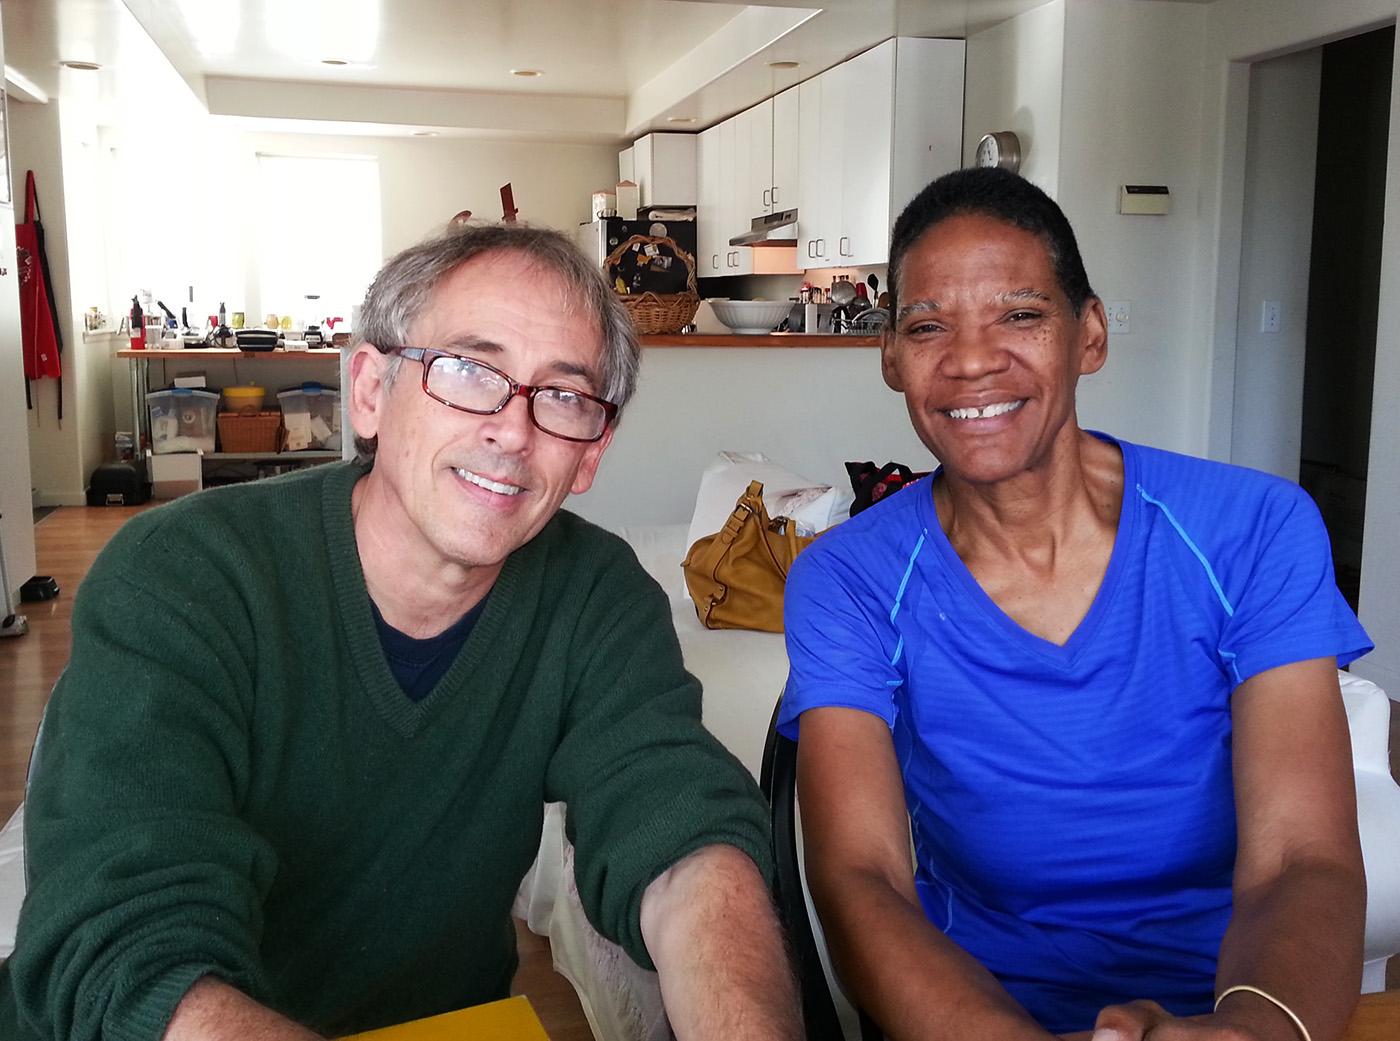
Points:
[(736, 576)]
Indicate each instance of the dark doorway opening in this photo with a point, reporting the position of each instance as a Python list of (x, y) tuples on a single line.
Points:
[(1344, 289)]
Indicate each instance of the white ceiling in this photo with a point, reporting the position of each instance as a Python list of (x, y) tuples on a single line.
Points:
[(610, 68)]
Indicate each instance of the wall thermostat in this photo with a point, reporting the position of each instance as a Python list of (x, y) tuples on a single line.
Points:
[(1152, 199)]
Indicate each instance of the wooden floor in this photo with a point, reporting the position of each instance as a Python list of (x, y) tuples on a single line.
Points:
[(67, 541)]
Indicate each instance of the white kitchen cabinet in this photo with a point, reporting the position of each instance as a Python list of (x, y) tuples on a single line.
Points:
[(734, 181), (756, 127), (886, 123), (711, 242), (664, 168), (786, 120), (867, 122), (811, 202)]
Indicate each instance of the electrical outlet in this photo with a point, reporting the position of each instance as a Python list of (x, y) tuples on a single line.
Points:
[(1269, 317), (1120, 315)]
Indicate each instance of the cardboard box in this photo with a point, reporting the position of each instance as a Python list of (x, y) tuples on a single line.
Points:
[(175, 474)]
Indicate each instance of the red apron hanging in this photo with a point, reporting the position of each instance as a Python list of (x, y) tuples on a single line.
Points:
[(38, 313)]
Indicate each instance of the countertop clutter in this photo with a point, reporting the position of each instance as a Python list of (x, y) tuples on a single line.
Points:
[(783, 340)]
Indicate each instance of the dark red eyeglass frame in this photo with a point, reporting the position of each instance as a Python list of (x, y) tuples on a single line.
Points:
[(427, 355)]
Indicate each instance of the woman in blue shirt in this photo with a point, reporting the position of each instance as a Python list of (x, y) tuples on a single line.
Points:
[(1096, 681)]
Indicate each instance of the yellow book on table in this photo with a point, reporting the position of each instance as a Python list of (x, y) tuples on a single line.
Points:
[(510, 1020)]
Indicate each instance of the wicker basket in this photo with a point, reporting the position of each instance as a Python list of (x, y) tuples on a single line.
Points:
[(250, 432), (654, 313)]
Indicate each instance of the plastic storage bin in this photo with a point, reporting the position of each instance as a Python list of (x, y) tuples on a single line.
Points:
[(182, 420), (311, 417)]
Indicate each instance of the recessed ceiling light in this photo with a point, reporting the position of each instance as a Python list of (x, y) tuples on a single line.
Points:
[(784, 64), (424, 133), (334, 61), (527, 73), (81, 66), (680, 119)]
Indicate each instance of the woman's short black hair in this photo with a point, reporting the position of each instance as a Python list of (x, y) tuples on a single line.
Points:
[(1000, 194)]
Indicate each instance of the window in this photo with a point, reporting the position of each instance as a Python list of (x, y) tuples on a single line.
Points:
[(319, 233)]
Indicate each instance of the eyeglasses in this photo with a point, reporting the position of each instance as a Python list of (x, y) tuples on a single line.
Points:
[(473, 386)]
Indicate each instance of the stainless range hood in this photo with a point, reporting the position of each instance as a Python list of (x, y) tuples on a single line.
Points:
[(772, 229)]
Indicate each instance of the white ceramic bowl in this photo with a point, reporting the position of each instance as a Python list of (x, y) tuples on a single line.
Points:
[(751, 316)]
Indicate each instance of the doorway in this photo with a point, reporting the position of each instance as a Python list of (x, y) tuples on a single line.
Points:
[(1309, 290), (1344, 289)]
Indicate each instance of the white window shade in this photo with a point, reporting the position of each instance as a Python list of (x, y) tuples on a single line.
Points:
[(319, 233)]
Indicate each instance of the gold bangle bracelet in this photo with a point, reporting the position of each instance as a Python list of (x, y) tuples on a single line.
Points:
[(1297, 1023)]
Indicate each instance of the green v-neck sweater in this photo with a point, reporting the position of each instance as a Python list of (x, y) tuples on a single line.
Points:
[(229, 781)]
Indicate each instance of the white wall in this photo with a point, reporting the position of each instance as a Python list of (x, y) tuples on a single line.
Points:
[(1014, 82), (811, 409), (1131, 115), (16, 518), (1245, 30), (54, 452), (1267, 426), (425, 181)]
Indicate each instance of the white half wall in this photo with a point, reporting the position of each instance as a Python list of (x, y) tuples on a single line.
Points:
[(812, 409), (1015, 74), (1276, 255)]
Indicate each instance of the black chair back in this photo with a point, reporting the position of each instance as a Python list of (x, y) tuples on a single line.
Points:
[(778, 779)]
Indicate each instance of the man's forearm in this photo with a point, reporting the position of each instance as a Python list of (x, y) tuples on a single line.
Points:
[(725, 973), (211, 1010)]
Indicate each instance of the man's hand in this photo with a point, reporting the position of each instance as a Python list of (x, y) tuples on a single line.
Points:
[(725, 975), (1254, 1019)]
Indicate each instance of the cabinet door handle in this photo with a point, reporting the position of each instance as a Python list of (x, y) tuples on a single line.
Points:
[(842, 248), (774, 196), (767, 197), (714, 261), (821, 247), (811, 245)]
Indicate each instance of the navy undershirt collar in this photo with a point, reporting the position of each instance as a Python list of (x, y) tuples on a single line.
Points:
[(419, 664)]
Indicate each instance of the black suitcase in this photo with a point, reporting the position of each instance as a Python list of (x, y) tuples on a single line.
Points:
[(117, 484)]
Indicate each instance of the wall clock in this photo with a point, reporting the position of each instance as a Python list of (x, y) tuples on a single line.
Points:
[(1000, 148)]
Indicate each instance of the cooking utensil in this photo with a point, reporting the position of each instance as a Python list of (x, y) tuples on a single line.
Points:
[(874, 283), (842, 290)]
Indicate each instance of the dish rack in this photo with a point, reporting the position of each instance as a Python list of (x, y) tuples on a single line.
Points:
[(870, 322)]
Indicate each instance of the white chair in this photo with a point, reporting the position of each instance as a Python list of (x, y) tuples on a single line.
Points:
[(1378, 814)]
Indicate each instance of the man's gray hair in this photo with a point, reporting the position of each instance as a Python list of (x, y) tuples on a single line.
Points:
[(405, 284)]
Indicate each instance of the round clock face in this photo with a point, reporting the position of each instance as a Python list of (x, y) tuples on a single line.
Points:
[(1001, 148), (988, 154)]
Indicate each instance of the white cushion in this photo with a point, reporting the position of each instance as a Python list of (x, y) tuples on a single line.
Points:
[(808, 503)]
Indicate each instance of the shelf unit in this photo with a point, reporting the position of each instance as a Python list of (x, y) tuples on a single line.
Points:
[(140, 364)]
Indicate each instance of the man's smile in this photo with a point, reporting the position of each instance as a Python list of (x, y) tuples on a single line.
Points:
[(499, 487)]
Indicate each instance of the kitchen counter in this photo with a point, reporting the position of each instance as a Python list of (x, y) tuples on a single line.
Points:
[(767, 340)]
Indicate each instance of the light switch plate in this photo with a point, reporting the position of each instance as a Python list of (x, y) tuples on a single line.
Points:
[(1120, 316), (1269, 317)]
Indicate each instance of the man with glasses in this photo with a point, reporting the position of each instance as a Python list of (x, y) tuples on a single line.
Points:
[(295, 770)]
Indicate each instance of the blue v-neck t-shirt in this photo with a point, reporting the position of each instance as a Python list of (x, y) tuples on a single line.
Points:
[(1072, 807)]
